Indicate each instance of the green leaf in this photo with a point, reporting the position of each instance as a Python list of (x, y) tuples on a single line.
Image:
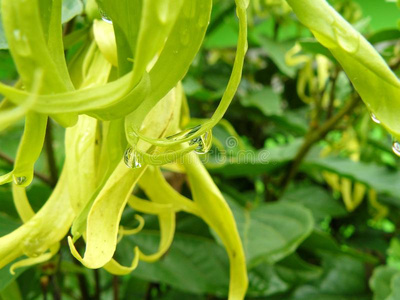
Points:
[(3, 40), (381, 280), (382, 179), (395, 285), (271, 232), (377, 85), (313, 47), (193, 264), (308, 292), (71, 9), (343, 279), (316, 199), (381, 18), (254, 162), (11, 292), (384, 35), (266, 100), (344, 275), (224, 36), (393, 253), (6, 278), (7, 224), (277, 51), (294, 270), (265, 281)]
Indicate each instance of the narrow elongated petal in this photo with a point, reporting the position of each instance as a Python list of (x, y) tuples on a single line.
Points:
[(42, 231), (377, 85), (217, 214)]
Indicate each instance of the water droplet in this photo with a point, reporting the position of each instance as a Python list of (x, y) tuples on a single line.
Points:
[(17, 34), (21, 42), (132, 158), (184, 134), (31, 247), (375, 119), (325, 41), (204, 141), (349, 40), (19, 180), (396, 148), (105, 17)]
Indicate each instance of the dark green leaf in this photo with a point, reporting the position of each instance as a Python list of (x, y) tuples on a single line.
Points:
[(266, 100), (271, 232), (320, 202), (381, 280)]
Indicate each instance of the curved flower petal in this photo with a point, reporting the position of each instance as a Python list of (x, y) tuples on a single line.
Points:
[(44, 230), (377, 85), (216, 213)]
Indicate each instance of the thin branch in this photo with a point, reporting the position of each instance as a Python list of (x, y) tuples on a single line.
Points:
[(332, 94), (39, 175), (97, 285), (56, 287), (44, 283), (115, 287), (313, 136), (83, 284)]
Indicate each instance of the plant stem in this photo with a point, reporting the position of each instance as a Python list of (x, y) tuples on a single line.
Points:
[(313, 136), (56, 287), (151, 286), (51, 159), (97, 285), (83, 284), (39, 175), (115, 287), (332, 94)]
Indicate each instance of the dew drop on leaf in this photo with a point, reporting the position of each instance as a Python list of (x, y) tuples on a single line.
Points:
[(347, 39), (105, 17), (17, 34), (19, 180), (204, 141), (184, 134), (396, 148), (375, 119), (30, 247), (132, 158)]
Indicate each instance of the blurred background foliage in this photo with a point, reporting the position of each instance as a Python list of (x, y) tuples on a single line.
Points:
[(312, 180)]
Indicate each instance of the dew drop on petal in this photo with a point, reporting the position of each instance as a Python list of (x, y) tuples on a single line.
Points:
[(31, 247), (17, 34), (349, 40), (375, 119), (105, 17), (396, 148), (204, 142), (19, 180), (132, 158), (184, 134)]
